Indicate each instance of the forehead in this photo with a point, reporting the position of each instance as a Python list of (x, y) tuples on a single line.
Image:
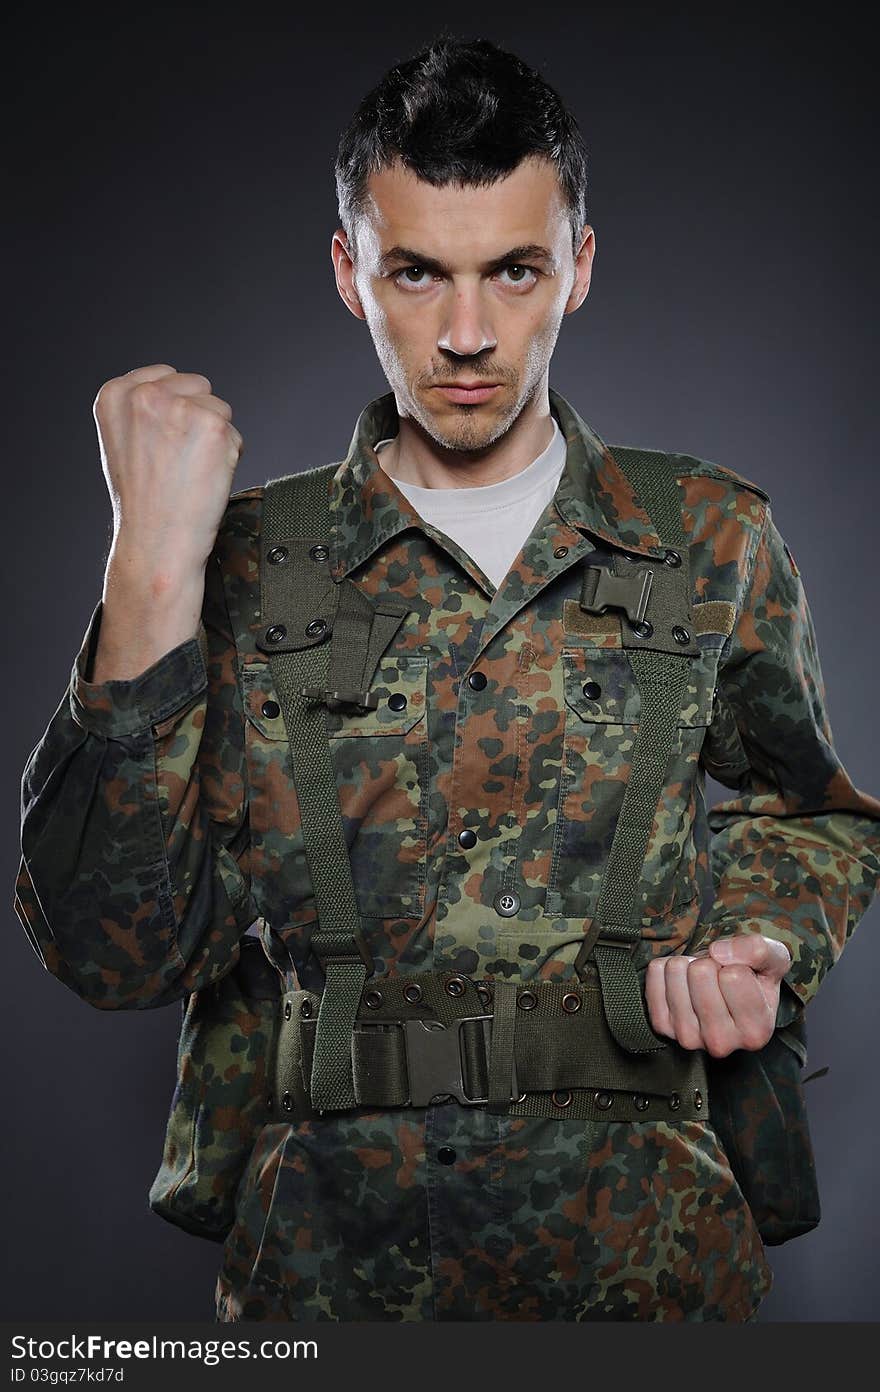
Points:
[(401, 209)]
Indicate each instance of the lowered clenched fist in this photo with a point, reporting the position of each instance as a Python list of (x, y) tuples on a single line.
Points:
[(169, 452)]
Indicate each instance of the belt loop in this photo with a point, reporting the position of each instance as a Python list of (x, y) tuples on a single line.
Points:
[(501, 1049)]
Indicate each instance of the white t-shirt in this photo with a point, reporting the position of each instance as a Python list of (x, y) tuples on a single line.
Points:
[(490, 523)]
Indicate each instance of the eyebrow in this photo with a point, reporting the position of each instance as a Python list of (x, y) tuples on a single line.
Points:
[(531, 251)]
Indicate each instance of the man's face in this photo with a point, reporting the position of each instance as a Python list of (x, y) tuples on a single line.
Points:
[(441, 309)]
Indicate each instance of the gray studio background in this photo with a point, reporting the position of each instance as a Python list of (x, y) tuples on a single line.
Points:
[(173, 200)]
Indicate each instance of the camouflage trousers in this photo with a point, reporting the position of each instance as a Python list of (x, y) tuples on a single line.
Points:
[(454, 1213)]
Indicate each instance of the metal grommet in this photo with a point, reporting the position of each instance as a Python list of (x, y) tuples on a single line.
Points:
[(698, 1099), (527, 1000), (640, 1102), (412, 992), (276, 555), (603, 1100), (305, 1009), (276, 633), (288, 1010), (674, 1102), (560, 552), (484, 991), (319, 552), (287, 1102), (563, 1097), (680, 634), (643, 627), (456, 986), (571, 1002), (316, 628), (373, 999), (521, 1098), (671, 557)]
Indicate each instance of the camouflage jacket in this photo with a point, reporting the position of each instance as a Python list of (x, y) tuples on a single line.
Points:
[(159, 822)]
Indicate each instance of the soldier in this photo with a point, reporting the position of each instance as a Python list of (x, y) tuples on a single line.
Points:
[(481, 791)]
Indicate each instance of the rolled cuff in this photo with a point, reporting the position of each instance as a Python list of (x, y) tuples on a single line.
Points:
[(119, 708)]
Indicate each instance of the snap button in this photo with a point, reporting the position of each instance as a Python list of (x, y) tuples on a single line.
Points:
[(319, 552), (592, 689), (316, 628), (412, 992), (373, 999), (640, 1102), (276, 555), (305, 1009), (276, 633), (397, 701), (467, 838), (603, 1100), (456, 986), (680, 634), (288, 1010), (674, 1102), (506, 903), (477, 680), (560, 552), (562, 1098), (672, 558), (527, 1000), (571, 1002), (270, 709), (446, 1155)]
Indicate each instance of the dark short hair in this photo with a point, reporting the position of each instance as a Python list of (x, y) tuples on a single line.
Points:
[(460, 111)]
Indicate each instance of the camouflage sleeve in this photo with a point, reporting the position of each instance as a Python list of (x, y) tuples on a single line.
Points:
[(133, 885), (796, 855)]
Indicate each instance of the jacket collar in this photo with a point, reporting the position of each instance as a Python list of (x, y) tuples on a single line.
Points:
[(593, 494)]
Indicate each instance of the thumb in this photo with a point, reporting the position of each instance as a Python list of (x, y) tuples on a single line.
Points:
[(763, 955)]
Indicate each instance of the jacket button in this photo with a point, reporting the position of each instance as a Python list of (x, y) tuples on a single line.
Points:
[(592, 689), (603, 1100), (467, 838), (397, 701), (506, 903), (276, 555), (446, 1155), (270, 709), (477, 680)]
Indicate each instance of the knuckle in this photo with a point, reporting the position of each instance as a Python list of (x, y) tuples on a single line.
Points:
[(701, 970), (718, 1042), (737, 974)]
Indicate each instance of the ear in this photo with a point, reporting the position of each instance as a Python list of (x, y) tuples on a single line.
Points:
[(583, 265), (344, 270)]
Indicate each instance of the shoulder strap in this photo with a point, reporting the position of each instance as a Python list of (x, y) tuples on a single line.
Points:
[(658, 638), (302, 607)]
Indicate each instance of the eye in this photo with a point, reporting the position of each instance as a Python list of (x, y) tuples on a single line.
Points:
[(517, 266), (522, 280)]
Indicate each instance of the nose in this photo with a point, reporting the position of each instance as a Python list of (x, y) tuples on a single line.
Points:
[(465, 330)]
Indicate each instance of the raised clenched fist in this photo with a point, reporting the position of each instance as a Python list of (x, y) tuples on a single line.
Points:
[(169, 452)]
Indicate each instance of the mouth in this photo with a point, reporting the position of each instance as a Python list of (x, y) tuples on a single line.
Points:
[(466, 393)]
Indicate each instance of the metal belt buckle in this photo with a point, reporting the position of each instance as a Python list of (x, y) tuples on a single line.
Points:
[(434, 1060)]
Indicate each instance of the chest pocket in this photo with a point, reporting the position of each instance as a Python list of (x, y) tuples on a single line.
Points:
[(380, 758), (602, 708)]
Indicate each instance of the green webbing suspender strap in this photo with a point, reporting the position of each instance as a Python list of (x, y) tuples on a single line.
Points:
[(299, 603), (660, 650)]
